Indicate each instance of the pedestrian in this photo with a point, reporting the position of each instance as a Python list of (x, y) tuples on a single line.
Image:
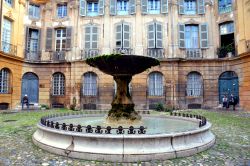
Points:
[(232, 101), (224, 101), (25, 100)]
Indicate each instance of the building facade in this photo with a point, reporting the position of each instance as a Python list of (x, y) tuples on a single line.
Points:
[(197, 42)]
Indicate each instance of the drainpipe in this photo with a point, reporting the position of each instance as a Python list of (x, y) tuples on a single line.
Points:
[(1, 15)]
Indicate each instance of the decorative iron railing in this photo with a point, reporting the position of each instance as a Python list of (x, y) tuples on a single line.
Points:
[(89, 53), (32, 55), (202, 119), (58, 56), (225, 9), (127, 51), (193, 53), (8, 48), (155, 52)]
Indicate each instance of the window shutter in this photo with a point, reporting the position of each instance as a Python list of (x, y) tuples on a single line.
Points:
[(132, 6), (126, 36), (181, 35), (94, 37), (30, 10), (101, 7), (204, 35), (144, 6), (82, 7), (119, 36), (68, 38), (87, 37), (201, 7), (164, 6), (27, 39), (151, 35), (39, 39), (112, 7), (49, 35), (181, 7), (158, 35)]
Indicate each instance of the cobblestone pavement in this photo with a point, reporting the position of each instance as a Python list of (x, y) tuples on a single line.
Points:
[(232, 145)]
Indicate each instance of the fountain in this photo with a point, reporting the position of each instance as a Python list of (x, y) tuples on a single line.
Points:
[(124, 135)]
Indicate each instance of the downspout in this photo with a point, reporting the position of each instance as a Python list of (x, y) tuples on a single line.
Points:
[(1, 15)]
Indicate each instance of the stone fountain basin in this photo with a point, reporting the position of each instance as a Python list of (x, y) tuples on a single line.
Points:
[(124, 147)]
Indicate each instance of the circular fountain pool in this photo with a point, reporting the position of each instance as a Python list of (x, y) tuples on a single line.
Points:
[(154, 138)]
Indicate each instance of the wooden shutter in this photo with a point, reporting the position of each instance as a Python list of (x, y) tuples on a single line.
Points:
[(204, 35), (201, 7), (144, 6), (158, 35), (151, 35), (101, 7), (68, 38), (87, 37), (94, 37), (126, 36), (27, 38), (132, 6), (164, 6), (181, 7), (118, 36), (112, 7), (49, 38), (82, 7), (39, 39), (181, 35)]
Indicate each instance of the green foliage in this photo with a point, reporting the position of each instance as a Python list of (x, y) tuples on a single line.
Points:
[(159, 107), (73, 106), (44, 106)]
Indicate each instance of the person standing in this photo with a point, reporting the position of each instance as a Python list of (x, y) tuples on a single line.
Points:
[(224, 101), (25, 100)]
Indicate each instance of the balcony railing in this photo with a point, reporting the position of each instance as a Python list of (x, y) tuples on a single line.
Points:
[(127, 51), (8, 48), (155, 52), (58, 56), (193, 53), (32, 55), (89, 53), (225, 9)]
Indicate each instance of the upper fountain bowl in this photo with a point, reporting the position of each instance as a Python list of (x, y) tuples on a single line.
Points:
[(119, 65)]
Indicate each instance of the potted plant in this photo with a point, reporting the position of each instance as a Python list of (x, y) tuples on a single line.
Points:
[(230, 50), (222, 52)]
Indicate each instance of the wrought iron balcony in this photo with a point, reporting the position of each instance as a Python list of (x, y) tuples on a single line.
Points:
[(58, 56), (126, 51), (32, 55), (89, 53), (225, 9), (193, 53), (8, 48), (155, 52)]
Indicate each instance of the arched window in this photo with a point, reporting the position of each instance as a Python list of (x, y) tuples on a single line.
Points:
[(58, 84), (194, 84), (4, 80), (155, 84), (90, 84)]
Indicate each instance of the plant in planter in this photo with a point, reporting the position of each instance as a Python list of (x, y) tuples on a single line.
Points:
[(222, 52), (230, 50)]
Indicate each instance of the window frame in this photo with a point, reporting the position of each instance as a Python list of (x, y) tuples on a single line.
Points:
[(92, 12), (62, 39), (226, 8), (35, 10), (9, 2), (156, 89), (191, 12), (4, 81), (194, 84), (64, 12), (90, 84), (58, 88)]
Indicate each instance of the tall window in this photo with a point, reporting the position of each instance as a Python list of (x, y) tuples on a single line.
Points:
[(4, 81), (154, 6), (194, 84), (155, 87), (190, 6), (33, 41), (225, 6), (9, 2), (154, 35), (123, 36), (34, 11), (6, 35), (91, 37), (90, 84), (227, 28), (92, 8), (122, 7), (58, 84), (192, 36), (61, 39), (62, 10)]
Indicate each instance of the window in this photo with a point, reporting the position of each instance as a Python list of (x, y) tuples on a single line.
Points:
[(91, 37), (9, 2), (194, 84), (61, 10), (192, 36), (33, 40), (227, 28), (90, 84), (60, 39), (122, 7), (34, 11), (190, 6), (92, 8), (122, 36), (154, 35), (58, 84), (225, 6), (4, 81), (6, 35), (154, 6), (155, 84)]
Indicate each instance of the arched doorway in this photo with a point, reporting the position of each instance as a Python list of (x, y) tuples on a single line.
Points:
[(30, 87), (228, 84)]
